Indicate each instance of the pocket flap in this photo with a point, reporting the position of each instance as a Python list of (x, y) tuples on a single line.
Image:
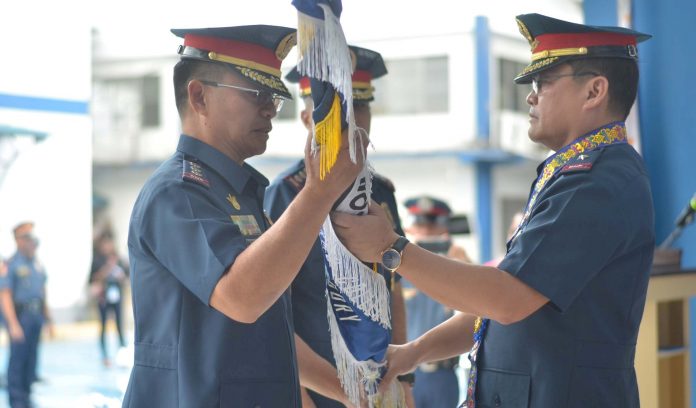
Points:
[(495, 388)]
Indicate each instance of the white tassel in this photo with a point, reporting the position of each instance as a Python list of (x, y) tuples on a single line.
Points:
[(360, 378), (324, 55), (366, 289)]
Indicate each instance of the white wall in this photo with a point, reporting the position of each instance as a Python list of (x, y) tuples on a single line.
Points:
[(50, 182)]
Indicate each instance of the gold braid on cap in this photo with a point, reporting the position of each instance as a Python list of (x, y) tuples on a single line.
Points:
[(538, 65), (269, 81), (559, 52)]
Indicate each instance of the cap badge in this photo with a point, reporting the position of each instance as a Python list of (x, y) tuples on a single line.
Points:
[(425, 204), (285, 45), (525, 32)]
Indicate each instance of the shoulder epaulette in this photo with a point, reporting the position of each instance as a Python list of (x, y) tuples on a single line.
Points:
[(297, 179), (193, 172), (582, 163), (383, 180)]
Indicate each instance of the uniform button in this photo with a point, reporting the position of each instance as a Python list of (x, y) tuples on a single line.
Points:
[(496, 400)]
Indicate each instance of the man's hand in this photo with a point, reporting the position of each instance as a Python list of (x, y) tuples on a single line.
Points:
[(401, 359), (408, 394), (16, 333), (366, 236), (342, 174)]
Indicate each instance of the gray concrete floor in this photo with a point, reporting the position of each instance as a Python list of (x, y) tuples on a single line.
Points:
[(73, 375)]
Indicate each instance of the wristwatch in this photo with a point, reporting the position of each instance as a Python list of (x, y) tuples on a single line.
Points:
[(391, 257), (409, 378)]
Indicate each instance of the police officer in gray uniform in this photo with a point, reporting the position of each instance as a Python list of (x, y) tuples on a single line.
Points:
[(559, 315), (213, 321), (23, 301), (308, 289)]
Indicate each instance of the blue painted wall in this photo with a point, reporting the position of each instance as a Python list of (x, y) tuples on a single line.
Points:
[(668, 109), (668, 115), (667, 105)]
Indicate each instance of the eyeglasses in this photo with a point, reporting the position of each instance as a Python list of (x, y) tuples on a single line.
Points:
[(539, 80), (261, 98)]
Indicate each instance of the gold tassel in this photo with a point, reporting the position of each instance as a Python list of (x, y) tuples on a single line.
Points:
[(328, 135), (306, 31)]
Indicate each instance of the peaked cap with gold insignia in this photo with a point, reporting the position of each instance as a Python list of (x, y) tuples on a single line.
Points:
[(254, 51), (554, 42), (428, 210)]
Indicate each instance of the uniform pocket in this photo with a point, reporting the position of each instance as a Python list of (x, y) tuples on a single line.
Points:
[(496, 388), (257, 394)]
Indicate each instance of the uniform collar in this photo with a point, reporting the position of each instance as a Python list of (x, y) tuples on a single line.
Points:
[(18, 256), (238, 176), (609, 133)]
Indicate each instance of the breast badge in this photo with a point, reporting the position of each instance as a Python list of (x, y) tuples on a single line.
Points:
[(23, 271), (247, 224)]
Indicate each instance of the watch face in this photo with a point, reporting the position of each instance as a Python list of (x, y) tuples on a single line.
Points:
[(391, 259)]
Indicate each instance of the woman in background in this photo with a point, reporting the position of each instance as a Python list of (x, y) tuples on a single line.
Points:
[(106, 279)]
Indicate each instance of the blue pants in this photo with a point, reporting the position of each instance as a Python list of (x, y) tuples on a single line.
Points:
[(103, 313), (23, 358), (438, 389)]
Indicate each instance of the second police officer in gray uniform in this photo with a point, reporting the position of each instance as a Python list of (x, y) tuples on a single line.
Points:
[(23, 300), (213, 321)]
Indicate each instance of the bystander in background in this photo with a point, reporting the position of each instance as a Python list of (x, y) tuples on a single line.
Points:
[(107, 278)]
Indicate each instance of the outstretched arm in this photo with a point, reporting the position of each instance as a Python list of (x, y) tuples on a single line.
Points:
[(474, 289), (450, 338)]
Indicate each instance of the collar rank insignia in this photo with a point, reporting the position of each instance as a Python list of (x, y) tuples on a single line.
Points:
[(193, 172), (582, 163), (297, 180), (233, 200)]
